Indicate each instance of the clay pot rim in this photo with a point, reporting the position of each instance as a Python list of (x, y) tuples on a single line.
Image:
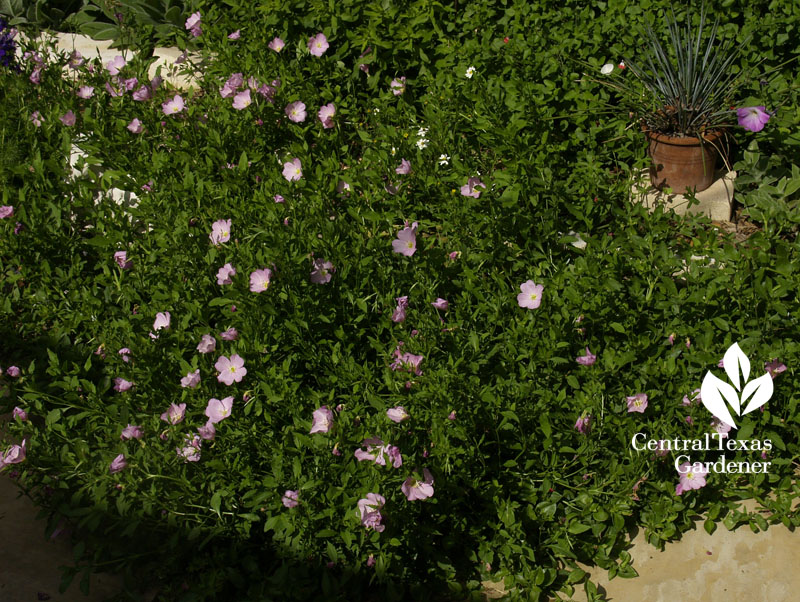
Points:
[(711, 136)]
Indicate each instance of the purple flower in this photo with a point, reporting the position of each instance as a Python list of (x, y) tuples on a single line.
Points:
[(414, 489), (207, 344), (13, 371), (19, 413), (398, 414), (398, 86), (637, 403), (231, 334), (276, 44), (584, 424), (242, 100), (193, 24), (318, 44), (774, 368), (230, 370), (6, 211), (586, 360), (695, 397), (451, 415), (399, 314), (531, 295), (218, 409), (321, 274), (296, 111), (260, 280), (691, 477), (36, 119), (404, 168), (326, 114), (191, 450), (224, 274), (131, 432), (174, 413), (143, 94), (125, 353), (441, 304), (369, 511), (220, 231), (292, 170), (121, 385), (117, 464), (235, 35), (406, 241), (278, 199), (720, 427), (321, 421), (14, 455), (76, 60), (162, 321), (407, 361), (753, 118), (68, 118), (115, 65), (290, 498), (135, 126), (85, 92), (469, 189), (191, 380), (207, 431), (121, 257), (171, 107)]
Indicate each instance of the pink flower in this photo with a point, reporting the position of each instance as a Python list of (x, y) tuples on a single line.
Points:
[(231, 334), (15, 454), (116, 91), (36, 119), (691, 477), (441, 304), (131, 432), (321, 274), (753, 118), (584, 424), (469, 189), (68, 118), (689, 420), (663, 448), (207, 431), (322, 420), (6, 211), (720, 427), (162, 321), (671, 339), (224, 274), (398, 86), (191, 450), (235, 35), (399, 314), (143, 94), (278, 199), (193, 20), (414, 489), (115, 65), (695, 397), (230, 370), (219, 409), (121, 385), (220, 231), (290, 498), (326, 114), (135, 126), (174, 413), (207, 344), (586, 360), (407, 361), (404, 168), (318, 44), (242, 100), (260, 280), (531, 295), (125, 353), (397, 414), (451, 415), (381, 450), (191, 380), (371, 560), (406, 241), (171, 107), (296, 111), (85, 92), (637, 403), (76, 60), (276, 44), (13, 371), (19, 413), (117, 464), (774, 368), (369, 511), (292, 170)]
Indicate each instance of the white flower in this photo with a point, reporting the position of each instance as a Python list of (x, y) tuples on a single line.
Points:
[(607, 68), (376, 110), (394, 151), (470, 72), (443, 159), (422, 143), (422, 132)]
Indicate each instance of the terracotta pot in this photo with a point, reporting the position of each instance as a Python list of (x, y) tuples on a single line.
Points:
[(682, 163)]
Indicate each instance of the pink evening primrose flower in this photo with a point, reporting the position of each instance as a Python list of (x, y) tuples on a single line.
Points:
[(584, 424), (207, 431), (121, 385), (325, 115), (415, 489), (230, 370), (406, 241), (19, 413), (260, 280), (399, 314), (588, 359), (76, 60), (369, 511), (121, 259), (469, 189), (132, 432), (637, 403), (397, 414), (531, 295), (753, 118), (441, 304), (15, 454), (278, 199), (117, 464), (191, 450), (162, 321), (322, 420), (174, 413), (292, 170), (720, 427), (235, 35), (774, 368), (398, 86), (115, 65), (231, 334), (13, 371), (242, 100), (144, 93), (207, 344), (36, 119), (68, 118), (126, 354), (193, 20), (690, 478), (404, 168), (290, 498), (220, 231), (6, 211), (191, 380), (85, 92), (318, 44), (171, 107), (219, 409), (671, 339), (321, 274), (225, 273), (135, 126), (276, 44), (296, 111)]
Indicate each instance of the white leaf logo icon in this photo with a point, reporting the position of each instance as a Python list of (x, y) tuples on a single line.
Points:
[(717, 395)]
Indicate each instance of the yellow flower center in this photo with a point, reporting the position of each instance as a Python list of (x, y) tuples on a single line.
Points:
[(533, 296)]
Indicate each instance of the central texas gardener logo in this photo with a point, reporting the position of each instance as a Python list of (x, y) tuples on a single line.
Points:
[(715, 392)]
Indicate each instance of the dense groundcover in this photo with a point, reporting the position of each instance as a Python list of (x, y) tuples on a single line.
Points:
[(469, 143)]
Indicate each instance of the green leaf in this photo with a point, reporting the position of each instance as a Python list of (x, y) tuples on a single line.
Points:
[(710, 526)]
